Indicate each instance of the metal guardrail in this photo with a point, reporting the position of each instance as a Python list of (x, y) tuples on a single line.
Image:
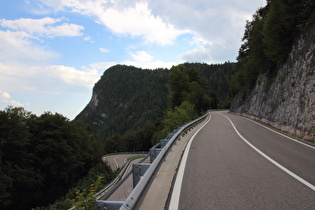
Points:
[(118, 179), (137, 192)]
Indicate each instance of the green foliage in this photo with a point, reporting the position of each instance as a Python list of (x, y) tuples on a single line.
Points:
[(187, 84), (126, 98), (85, 199), (132, 140), (98, 170), (175, 118), (268, 40), (41, 157), (218, 77), (128, 103)]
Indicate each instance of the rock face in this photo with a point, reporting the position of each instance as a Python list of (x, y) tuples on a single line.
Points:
[(288, 103)]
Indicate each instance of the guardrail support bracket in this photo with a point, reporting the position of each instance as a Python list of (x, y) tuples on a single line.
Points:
[(138, 170)]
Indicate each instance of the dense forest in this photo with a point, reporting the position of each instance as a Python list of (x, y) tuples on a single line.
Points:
[(268, 39), (41, 157), (128, 103), (188, 99), (125, 98)]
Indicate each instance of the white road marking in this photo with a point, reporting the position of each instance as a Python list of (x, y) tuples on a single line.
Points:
[(180, 174), (270, 159), (117, 166), (281, 134)]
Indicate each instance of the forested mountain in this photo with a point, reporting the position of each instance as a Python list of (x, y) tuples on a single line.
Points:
[(127, 98)]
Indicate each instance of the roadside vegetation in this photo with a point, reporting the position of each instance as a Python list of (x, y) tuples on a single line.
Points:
[(42, 157)]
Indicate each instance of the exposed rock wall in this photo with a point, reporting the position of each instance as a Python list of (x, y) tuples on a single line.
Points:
[(288, 103)]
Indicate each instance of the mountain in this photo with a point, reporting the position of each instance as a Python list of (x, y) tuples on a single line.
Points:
[(125, 98)]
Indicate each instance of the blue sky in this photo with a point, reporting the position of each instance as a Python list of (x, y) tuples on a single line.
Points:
[(53, 51)]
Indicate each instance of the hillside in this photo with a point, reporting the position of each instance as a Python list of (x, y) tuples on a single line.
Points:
[(277, 84), (126, 97)]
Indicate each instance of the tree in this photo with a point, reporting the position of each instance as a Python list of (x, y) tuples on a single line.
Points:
[(187, 84), (19, 178), (41, 157), (174, 118)]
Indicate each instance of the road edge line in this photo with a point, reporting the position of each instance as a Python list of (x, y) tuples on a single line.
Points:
[(174, 202), (270, 159), (281, 134)]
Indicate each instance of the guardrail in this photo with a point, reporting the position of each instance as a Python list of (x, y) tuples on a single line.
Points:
[(137, 192), (108, 190)]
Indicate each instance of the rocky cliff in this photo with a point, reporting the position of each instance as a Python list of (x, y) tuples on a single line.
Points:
[(288, 101)]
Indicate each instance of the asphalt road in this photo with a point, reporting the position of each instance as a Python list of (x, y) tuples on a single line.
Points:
[(224, 172), (119, 160)]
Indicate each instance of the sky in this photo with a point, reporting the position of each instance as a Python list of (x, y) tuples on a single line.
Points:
[(52, 52)]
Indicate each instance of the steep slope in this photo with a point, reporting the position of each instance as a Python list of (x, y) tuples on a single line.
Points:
[(288, 101), (125, 98)]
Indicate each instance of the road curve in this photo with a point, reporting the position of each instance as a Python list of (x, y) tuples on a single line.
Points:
[(225, 172), (117, 161)]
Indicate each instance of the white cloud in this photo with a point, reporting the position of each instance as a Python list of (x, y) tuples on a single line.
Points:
[(5, 100), (141, 59), (23, 64), (19, 41), (144, 60), (51, 79), (132, 18), (44, 27), (85, 78), (17, 46), (150, 65), (138, 21), (218, 22), (87, 38), (5, 95), (209, 53), (103, 50), (141, 56), (200, 54), (102, 65)]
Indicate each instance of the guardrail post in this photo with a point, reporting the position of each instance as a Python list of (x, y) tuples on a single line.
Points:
[(109, 205), (154, 152), (163, 142), (138, 170)]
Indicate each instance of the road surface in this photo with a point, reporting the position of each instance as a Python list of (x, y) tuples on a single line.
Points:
[(119, 160), (252, 169)]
